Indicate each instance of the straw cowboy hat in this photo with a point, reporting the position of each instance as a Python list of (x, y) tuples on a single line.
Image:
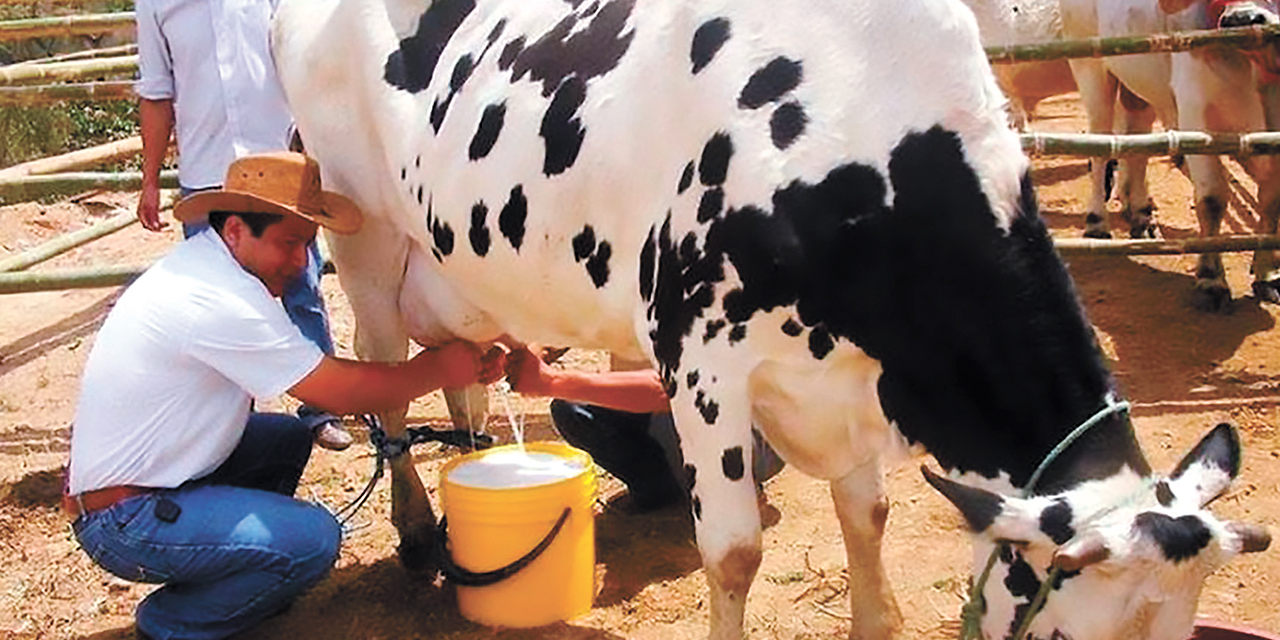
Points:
[(281, 182)]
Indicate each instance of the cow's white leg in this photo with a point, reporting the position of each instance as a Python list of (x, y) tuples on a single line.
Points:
[(862, 508), (371, 268), (1265, 171), (1135, 116), (1098, 89), (717, 450), (468, 407)]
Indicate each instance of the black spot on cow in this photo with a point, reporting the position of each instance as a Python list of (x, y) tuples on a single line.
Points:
[(691, 379), (737, 333), (584, 243), (648, 256), (1164, 494), (712, 330), (568, 50), (442, 236), (598, 264), (710, 409), (711, 205), (689, 477), (417, 162), (713, 168), (436, 252), (1055, 522), (697, 508), (411, 66), (732, 464), (561, 129), (1220, 448), (707, 40), (510, 53), (404, 173), (682, 292), (820, 342), (487, 132), (1021, 580), (419, 195), (686, 179), (511, 219), (461, 72), (792, 328), (1179, 538), (479, 233), (771, 82), (497, 30), (787, 124)]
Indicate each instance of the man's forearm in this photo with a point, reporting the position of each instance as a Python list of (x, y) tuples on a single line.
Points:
[(634, 391), (156, 121)]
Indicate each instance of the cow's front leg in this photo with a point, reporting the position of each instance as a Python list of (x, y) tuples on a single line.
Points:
[(863, 510), (1098, 91), (1211, 292), (715, 436)]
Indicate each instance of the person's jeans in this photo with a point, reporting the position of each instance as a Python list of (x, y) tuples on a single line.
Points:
[(302, 300), (231, 549)]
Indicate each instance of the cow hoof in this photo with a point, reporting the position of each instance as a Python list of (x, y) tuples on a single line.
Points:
[(1144, 232), (1267, 291), (417, 553), (1097, 234), (1212, 300)]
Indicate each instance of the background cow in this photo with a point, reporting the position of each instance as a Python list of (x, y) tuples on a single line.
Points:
[(808, 216), (1012, 22), (1207, 89)]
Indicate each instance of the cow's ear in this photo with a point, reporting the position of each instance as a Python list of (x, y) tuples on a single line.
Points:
[(1174, 6), (1208, 469)]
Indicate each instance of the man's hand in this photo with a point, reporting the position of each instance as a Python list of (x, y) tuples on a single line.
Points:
[(527, 373), (149, 208), (462, 363)]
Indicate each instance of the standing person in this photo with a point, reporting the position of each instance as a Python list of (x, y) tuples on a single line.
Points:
[(205, 70), (173, 479), (623, 419)]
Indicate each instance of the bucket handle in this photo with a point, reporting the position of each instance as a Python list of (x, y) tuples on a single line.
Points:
[(458, 575)]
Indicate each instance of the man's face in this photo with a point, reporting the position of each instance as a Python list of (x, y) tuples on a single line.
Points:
[(276, 258)]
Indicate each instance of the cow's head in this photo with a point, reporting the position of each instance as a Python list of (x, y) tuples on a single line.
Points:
[(1229, 13), (1133, 553)]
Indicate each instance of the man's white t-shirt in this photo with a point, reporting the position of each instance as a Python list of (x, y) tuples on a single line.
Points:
[(213, 59), (166, 391)]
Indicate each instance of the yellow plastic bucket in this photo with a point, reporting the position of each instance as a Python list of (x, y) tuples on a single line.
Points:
[(500, 504)]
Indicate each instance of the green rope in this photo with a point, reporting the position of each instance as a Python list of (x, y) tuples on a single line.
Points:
[(971, 613)]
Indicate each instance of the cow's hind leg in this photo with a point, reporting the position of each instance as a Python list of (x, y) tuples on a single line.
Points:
[(1265, 171), (1098, 91), (1211, 293), (715, 437), (863, 509), (1137, 210)]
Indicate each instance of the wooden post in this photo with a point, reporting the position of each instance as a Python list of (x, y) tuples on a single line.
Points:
[(1151, 144), (91, 278), (54, 93), (67, 242), (63, 26), (75, 160), (1070, 247), (73, 70), (29, 188), (1239, 37)]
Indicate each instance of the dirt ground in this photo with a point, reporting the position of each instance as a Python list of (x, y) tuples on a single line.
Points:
[(1184, 371)]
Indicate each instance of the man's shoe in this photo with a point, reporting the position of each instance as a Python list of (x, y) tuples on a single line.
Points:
[(327, 429)]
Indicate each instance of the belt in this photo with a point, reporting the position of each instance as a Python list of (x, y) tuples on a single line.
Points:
[(99, 499)]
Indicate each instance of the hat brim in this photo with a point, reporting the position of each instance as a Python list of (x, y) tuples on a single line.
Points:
[(339, 214)]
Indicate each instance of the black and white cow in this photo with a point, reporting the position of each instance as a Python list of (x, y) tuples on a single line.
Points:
[(808, 216)]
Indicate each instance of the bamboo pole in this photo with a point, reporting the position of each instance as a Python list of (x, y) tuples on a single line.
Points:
[(1238, 37), (90, 278), (1069, 247), (75, 70), (53, 93), (75, 160), (1152, 144), (87, 54), (62, 26), (27, 188), (67, 242)]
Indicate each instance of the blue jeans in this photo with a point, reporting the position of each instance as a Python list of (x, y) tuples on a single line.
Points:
[(302, 299), (237, 550)]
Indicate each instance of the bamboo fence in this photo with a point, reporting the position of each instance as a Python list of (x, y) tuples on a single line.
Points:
[(70, 71), (63, 26), (1166, 143), (75, 160), (60, 279), (34, 187), (67, 242), (1253, 37), (54, 93), (100, 52), (1090, 247)]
